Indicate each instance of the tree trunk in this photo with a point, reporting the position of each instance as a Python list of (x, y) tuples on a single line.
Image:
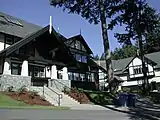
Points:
[(144, 71), (106, 44)]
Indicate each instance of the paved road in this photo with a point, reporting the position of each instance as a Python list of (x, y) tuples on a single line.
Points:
[(28, 114)]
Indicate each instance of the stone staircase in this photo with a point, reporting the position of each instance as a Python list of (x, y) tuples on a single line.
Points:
[(54, 96)]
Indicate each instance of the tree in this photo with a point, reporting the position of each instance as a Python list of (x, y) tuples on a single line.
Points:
[(124, 52), (153, 39), (94, 11), (96, 57), (139, 19)]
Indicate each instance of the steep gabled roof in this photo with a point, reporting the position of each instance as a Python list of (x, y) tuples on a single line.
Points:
[(27, 39), (120, 65), (22, 30)]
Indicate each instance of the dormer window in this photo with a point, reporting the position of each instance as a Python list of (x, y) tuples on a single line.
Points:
[(9, 39)]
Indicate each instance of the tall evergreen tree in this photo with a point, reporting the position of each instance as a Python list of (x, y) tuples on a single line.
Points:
[(96, 57), (124, 52), (138, 18)]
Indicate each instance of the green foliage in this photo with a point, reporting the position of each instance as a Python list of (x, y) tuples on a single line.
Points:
[(66, 89), (124, 52), (102, 98), (88, 9), (22, 90), (137, 17), (32, 94), (80, 90), (96, 57), (155, 97), (74, 89), (10, 89)]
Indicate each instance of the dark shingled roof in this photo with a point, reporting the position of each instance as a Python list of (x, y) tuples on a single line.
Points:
[(17, 30), (119, 65)]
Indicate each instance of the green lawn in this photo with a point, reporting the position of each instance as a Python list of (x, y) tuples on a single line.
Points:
[(99, 97), (7, 102)]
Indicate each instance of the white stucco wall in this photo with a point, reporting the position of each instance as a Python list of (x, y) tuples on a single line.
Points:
[(1, 42), (135, 62), (7, 67), (24, 70)]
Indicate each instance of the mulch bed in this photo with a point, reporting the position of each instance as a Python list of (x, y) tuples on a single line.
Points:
[(28, 99), (80, 97)]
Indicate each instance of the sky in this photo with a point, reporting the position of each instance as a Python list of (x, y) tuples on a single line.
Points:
[(38, 12)]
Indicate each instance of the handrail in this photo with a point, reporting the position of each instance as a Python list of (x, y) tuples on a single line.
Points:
[(45, 93), (59, 95), (62, 84)]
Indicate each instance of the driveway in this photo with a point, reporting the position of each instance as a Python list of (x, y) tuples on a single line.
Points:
[(29, 114)]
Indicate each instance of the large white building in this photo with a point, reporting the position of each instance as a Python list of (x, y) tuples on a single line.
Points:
[(130, 70)]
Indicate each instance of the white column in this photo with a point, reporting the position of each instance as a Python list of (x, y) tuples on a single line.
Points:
[(7, 67), (53, 72), (65, 73), (48, 71), (24, 70)]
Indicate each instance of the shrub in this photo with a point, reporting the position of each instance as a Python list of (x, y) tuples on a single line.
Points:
[(80, 90), (66, 89), (10, 89), (22, 90), (74, 89), (32, 94)]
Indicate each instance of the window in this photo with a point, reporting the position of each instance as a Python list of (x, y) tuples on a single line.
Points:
[(9, 39), (59, 74), (16, 39), (15, 68), (78, 57), (70, 75), (82, 77), (138, 71), (84, 59), (36, 72), (76, 76), (41, 72), (81, 58)]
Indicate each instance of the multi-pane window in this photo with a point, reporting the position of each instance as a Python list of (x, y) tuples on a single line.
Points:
[(84, 59), (81, 58), (15, 68), (9, 39), (36, 71), (137, 70), (82, 76)]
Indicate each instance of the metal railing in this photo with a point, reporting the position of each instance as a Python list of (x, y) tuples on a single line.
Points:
[(64, 86), (59, 95)]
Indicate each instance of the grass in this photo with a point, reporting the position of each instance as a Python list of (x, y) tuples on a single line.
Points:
[(7, 102), (99, 97)]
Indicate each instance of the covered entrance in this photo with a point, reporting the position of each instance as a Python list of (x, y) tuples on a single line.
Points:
[(38, 75)]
